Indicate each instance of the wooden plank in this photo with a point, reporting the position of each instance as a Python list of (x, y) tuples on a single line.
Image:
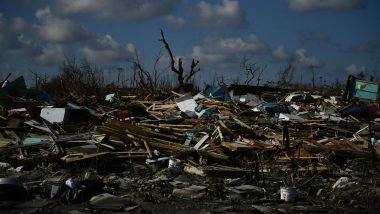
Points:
[(220, 134), (69, 159), (194, 170), (35, 125), (201, 141), (176, 125), (223, 125), (177, 94), (163, 107), (237, 146), (159, 143), (148, 149), (241, 123)]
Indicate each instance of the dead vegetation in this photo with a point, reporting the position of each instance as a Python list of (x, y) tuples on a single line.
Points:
[(147, 148)]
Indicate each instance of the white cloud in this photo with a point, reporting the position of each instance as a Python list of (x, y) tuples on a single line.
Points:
[(107, 41), (249, 44), (47, 42), (131, 48), (115, 9), (61, 31), (280, 53), (227, 14), (353, 69), (57, 30), (44, 14), (207, 57), (305, 61), (51, 54), (298, 58), (10, 33), (225, 51), (176, 22), (100, 55), (318, 5), (19, 24), (106, 50)]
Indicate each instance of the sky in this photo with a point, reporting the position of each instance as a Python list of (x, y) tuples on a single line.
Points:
[(335, 37)]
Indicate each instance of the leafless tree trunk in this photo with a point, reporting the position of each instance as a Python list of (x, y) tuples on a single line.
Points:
[(252, 71), (157, 73), (82, 79), (119, 76), (312, 68), (182, 78), (286, 75), (142, 77), (39, 79)]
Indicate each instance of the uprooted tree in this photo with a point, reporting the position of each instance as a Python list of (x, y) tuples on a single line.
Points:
[(183, 78)]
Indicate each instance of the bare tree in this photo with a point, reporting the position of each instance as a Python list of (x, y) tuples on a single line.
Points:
[(158, 72), (80, 79), (374, 76), (120, 76), (182, 78), (39, 79), (149, 81), (252, 71), (220, 80), (142, 77), (285, 75), (312, 68), (361, 75)]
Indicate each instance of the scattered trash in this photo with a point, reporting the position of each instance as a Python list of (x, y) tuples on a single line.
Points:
[(224, 149), (288, 194), (12, 188)]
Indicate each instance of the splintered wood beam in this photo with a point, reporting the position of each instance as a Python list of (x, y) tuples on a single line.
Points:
[(136, 130), (236, 146), (177, 94), (241, 123), (83, 157), (201, 141), (168, 129), (148, 149), (220, 134), (223, 125), (125, 135)]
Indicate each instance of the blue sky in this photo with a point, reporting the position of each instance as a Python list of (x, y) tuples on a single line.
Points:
[(337, 37)]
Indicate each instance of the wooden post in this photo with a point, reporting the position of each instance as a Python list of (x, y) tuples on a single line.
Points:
[(285, 135)]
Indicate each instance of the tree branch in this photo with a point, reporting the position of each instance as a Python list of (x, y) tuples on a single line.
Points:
[(167, 47), (193, 71)]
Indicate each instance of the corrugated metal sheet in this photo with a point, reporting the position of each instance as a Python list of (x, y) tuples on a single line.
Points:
[(362, 89), (366, 90)]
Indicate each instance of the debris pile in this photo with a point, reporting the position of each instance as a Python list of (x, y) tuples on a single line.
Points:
[(226, 149)]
